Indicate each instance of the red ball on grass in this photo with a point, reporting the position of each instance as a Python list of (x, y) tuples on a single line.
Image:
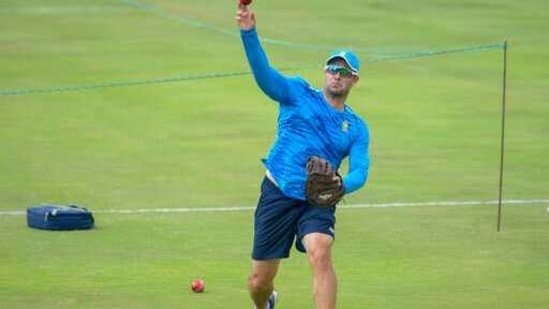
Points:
[(198, 285)]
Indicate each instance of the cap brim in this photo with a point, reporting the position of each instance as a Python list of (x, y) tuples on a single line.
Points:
[(344, 59)]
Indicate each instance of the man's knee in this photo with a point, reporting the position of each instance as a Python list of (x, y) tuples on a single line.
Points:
[(259, 282), (262, 275), (319, 250), (320, 257)]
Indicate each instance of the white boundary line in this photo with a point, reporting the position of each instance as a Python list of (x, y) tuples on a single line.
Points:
[(343, 206)]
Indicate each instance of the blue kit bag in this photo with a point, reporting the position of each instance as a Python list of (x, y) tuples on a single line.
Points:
[(60, 218)]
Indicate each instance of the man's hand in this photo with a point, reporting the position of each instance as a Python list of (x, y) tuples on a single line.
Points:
[(245, 18)]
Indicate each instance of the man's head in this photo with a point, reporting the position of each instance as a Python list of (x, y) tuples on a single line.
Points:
[(341, 72)]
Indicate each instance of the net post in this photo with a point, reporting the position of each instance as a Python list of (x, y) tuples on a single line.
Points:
[(502, 149)]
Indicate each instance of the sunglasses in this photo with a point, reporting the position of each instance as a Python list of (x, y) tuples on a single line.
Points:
[(343, 71)]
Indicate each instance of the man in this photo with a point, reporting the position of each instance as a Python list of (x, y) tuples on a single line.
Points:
[(311, 123)]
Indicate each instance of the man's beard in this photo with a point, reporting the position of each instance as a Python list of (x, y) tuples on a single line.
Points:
[(336, 93)]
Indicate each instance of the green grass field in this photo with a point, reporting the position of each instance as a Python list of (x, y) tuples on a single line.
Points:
[(89, 116)]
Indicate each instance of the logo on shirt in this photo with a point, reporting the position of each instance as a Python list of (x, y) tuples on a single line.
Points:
[(345, 126)]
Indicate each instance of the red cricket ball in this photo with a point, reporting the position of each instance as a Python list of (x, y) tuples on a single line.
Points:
[(245, 2), (198, 286)]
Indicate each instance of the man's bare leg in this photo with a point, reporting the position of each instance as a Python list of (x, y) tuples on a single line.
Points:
[(319, 248), (261, 281)]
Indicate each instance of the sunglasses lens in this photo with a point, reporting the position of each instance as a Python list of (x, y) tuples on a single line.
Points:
[(334, 69)]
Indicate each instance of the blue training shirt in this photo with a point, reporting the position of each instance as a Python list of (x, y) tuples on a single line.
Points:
[(307, 126)]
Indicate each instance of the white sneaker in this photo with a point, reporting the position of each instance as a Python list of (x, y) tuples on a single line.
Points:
[(272, 300)]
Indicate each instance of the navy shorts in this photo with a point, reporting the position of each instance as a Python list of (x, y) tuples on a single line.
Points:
[(279, 220)]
